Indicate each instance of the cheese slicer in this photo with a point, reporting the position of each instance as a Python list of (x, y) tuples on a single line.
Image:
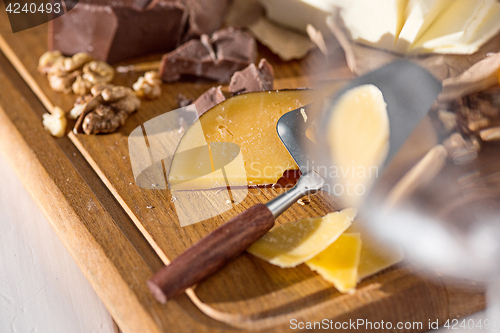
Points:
[(410, 92)]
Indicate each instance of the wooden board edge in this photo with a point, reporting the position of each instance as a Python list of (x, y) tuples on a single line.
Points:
[(112, 189), (67, 224), (14, 60)]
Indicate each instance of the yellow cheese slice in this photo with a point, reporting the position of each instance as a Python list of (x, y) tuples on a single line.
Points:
[(339, 263), (293, 243), (456, 27), (249, 121), (358, 135), (376, 255)]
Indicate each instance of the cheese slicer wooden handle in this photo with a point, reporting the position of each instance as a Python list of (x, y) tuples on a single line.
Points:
[(211, 252), (226, 242)]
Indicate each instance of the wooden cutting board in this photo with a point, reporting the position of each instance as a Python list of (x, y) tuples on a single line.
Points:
[(248, 293)]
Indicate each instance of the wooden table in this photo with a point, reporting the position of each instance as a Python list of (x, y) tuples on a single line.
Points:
[(117, 259)]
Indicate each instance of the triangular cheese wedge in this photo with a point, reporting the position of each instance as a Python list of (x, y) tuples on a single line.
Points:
[(376, 255), (339, 263)]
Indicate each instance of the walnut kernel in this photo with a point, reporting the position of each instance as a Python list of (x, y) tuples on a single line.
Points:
[(76, 62), (55, 123), (148, 86), (115, 93), (81, 87), (63, 82), (49, 59), (99, 87), (98, 72)]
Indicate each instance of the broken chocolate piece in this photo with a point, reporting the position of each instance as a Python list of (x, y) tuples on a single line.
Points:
[(253, 78), (113, 31), (209, 99), (234, 50)]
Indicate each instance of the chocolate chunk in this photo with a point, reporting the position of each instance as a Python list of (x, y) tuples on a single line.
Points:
[(209, 99), (115, 32), (253, 78), (234, 50)]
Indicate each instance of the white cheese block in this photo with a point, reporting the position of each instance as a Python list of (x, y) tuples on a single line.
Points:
[(376, 22), (456, 27), (420, 14)]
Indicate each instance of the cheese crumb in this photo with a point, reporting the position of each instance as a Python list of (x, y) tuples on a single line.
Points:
[(303, 113)]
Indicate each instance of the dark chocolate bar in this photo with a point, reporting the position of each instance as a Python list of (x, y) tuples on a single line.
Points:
[(116, 30)]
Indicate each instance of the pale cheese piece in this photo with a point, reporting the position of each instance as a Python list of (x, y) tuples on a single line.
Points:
[(294, 243), (376, 255), (358, 136), (487, 30), (297, 14), (376, 23), (420, 14), (456, 27), (285, 43), (339, 262), (248, 121)]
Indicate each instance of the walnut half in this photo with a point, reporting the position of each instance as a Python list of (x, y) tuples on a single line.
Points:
[(98, 72), (105, 111)]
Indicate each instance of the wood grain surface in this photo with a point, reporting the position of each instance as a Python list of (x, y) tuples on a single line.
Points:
[(211, 252), (248, 293)]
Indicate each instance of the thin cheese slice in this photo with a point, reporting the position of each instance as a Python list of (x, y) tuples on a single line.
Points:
[(420, 14), (339, 263), (294, 243), (358, 135), (377, 23), (457, 25), (376, 255)]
